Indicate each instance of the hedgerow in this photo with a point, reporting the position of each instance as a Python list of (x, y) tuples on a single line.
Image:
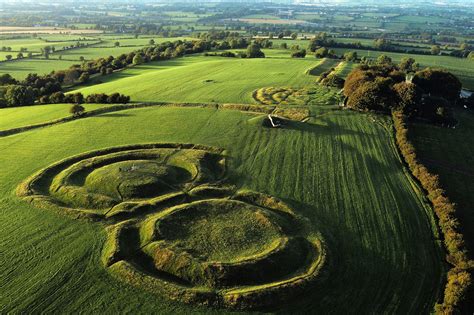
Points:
[(459, 277)]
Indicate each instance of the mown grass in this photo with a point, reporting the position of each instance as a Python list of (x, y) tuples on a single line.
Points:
[(21, 116), (341, 173), (450, 154), (205, 79)]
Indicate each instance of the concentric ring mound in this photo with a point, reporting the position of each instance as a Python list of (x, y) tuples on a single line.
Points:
[(249, 251), (120, 181), (177, 228)]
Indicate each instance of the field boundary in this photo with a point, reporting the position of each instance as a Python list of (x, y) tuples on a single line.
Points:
[(458, 283), (250, 108)]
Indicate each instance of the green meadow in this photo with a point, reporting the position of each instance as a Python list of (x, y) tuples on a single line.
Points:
[(342, 173)]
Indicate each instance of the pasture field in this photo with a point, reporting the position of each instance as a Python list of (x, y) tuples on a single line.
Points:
[(199, 79), (342, 173), (450, 154), (21, 68), (15, 117)]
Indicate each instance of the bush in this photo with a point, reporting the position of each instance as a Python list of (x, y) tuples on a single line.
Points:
[(228, 54), (333, 80), (77, 110), (298, 53)]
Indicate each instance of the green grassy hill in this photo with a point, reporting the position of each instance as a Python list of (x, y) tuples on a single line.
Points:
[(340, 170), (205, 79)]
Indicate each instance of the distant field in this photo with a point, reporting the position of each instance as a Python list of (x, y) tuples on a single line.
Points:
[(461, 67), (270, 21), (21, 68), (450, 154), (206, 79), (44, 30)]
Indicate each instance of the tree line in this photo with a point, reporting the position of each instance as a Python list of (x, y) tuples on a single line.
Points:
[(40, 87)]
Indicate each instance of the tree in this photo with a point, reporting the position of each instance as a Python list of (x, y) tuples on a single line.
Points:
[(332, 80), (254, 51), (409, 97), (151, 42), (355, 79), (56, 97), (298, 53), (294, 36), (30, 55), (382, 44), (117, 44), (438, 82), (81, 58), (375, 95), (137, 59), (19, 55), (435, 50), (384, 60), (408, 64), (84, 77), (9, 57), (6, 79), (77, 110), (350, 56), (19, 95), (284, 46), (321, 52)]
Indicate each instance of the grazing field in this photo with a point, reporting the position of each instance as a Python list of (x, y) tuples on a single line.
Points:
[(18, 117), (342, 174), (450, 154), (99, 46), (205, 79)]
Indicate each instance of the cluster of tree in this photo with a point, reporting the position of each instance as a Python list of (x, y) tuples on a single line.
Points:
[(35, 87), (382, 44), (329, 78), (225, 39), (384, 87), (227, 54), (253, 51), (78, 98), (298, 53), (459, 279)]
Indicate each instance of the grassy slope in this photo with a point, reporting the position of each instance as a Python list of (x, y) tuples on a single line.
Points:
[(450, 154), (22, 116), (341, 173), (233, 80)]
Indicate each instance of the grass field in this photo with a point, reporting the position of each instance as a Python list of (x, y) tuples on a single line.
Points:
[(450, 154), (205, 79), (342, 173), (19, 117), (21, 68)]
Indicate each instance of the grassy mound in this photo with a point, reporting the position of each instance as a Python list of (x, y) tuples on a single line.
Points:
[(241, 250), (282, 96), (245, 252), (123, 178)]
